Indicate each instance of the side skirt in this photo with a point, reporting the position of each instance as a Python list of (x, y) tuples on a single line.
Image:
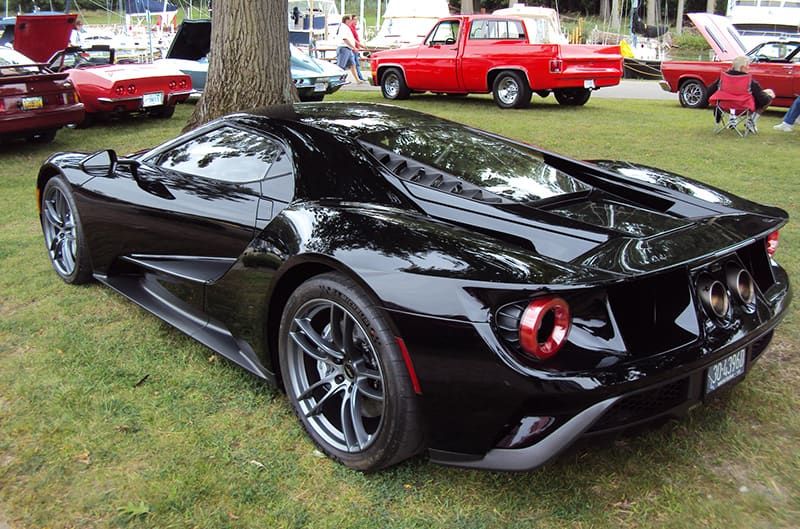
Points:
[(146, 292)]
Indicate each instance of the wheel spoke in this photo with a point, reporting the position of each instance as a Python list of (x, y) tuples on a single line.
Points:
[(365, 388), (317, 408), (319, 383), (318, 347), (356, 437), (51, 214)]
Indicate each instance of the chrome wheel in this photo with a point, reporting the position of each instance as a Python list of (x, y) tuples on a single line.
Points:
[(335, 376), (60, 231), (508, 91), (391, 86), (693, 94)]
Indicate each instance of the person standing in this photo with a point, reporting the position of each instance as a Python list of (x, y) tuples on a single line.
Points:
[(345, 45), (359, 46)]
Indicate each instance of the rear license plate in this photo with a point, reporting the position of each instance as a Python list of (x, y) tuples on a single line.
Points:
[(32, 103), (320, 87), (589, 83), (153, 99), (725, 370)]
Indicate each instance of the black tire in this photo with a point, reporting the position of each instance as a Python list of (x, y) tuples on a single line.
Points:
[(89, 119), (543, 93), (63, 233), (511, 90), (163, 112), (315, 98), (573, 97), (338, 356), (693, 94), (46, 136), (393, 85)]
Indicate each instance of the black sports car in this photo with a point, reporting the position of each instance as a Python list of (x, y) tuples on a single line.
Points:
[(415, 284)]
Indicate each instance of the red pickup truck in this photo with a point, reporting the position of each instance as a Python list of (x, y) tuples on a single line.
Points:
[(489, 53)]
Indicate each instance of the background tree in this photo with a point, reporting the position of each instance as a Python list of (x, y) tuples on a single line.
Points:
[(249, 62)]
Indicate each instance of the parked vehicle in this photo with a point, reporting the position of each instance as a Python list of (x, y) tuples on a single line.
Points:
[(487, 53), (415, 284), (108, 89), (771, 64), (34, 102), (191, 46)]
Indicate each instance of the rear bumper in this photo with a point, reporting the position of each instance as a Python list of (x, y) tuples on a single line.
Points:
[(134, 103), (21, 123), (673, 398)]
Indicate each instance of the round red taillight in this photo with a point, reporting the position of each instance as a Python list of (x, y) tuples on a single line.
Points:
[(173, 84), (772, 243), (544, 326), (120, 90), (131, 88)]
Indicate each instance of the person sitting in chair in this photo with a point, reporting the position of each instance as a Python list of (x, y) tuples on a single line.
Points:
[(762, 96)]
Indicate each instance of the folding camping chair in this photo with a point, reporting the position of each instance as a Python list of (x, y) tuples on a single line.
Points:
[(734, 106)]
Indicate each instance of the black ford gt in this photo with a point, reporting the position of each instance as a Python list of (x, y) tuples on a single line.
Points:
[(415, 284)]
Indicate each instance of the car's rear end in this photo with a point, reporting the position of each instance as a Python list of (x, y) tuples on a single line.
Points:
[(123, 88), (35, 103)]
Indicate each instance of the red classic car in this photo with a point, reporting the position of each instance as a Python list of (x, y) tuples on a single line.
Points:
[(110, 89), (34, 102), (773, 64), (486, 53)]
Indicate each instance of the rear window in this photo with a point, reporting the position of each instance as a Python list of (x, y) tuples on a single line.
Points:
[(9, 57), (509, 170)]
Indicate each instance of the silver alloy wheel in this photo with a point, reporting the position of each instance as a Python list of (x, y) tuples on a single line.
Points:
[(508, 91), (60, 231), (391, 85), (693, 94), (334, 372)]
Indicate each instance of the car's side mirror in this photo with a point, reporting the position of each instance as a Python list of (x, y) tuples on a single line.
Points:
[(102, 162)]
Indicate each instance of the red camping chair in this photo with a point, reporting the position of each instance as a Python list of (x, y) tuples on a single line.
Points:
[(734, 106)]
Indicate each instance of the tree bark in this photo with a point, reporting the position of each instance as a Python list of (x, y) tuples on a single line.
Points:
[(249, 61), (605, 10), (616, 16), (679, 18), (710, 6), (466, 7), (652, 12)]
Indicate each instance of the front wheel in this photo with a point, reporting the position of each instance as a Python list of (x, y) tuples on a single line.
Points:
[(511, 90), (693, 94), (573, 97), (63, 233), (393, 85), (345, 376)]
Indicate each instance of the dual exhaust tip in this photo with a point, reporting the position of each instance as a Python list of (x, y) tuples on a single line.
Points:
[(716, 296)]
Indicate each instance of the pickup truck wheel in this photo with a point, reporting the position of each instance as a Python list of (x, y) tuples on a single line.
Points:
[(573, 97), (511, 90), (693, 94), (393, 85)]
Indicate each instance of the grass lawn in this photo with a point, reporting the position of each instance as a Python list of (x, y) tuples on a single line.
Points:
[(86, 441)]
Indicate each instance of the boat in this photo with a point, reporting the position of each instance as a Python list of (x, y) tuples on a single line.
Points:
[(643, 48), (542, 23), (758, 21), (407, 23), (312, 22)]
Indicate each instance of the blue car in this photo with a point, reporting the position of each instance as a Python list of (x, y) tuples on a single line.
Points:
[(190, 49)]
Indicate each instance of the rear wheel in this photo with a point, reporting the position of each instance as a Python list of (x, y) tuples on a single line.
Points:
[(45, 136), (345, 376), (63, 233), (163, 112), (393, 85), (693, 94), (574, 97), (511, 90)]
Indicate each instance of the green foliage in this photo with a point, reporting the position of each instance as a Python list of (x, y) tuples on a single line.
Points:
[(110, 418)]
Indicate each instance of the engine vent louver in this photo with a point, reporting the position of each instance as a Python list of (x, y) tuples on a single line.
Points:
[(419, 173), (507, 323)]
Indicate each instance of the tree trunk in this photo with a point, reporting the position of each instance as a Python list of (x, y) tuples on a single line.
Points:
[(249, 61), (466, 7), (616, 16), (605, 11), (652, 12), (679, 18), (710, 6)]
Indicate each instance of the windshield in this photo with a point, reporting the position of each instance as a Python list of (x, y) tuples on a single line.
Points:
[(9, 57), (507, 169)]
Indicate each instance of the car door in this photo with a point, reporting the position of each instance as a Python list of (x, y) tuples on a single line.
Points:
[(195, 202), (436, 64), (772, 68)]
